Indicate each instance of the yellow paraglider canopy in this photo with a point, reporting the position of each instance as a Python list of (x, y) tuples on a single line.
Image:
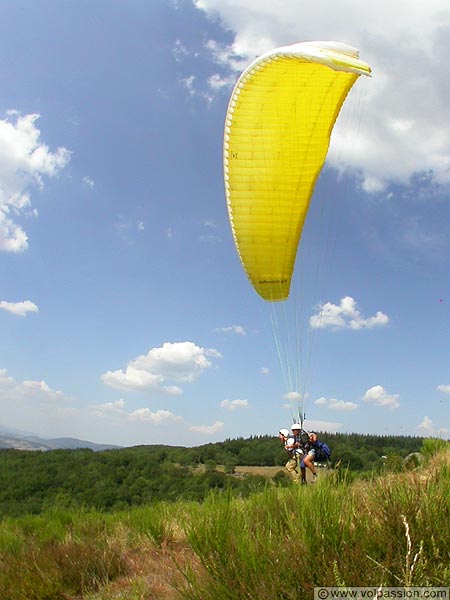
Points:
[(277, 132)]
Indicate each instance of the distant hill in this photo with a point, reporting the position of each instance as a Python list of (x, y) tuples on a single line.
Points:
[(30, 442)]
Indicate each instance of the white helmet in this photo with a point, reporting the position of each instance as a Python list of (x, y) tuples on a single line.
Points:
[(284, 432), (296, 426)]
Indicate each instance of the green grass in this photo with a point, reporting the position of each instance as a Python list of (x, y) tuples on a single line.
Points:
[(277, 543)]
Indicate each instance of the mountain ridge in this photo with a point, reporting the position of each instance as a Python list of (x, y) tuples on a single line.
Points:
[(17, 441)]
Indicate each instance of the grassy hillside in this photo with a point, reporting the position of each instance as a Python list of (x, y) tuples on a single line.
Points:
[(277, 543)]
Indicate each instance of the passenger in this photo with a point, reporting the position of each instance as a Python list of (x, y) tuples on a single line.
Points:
[(311, 449), (294, 452)]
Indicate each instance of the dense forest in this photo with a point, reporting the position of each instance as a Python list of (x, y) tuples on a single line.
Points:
[(33, 481)]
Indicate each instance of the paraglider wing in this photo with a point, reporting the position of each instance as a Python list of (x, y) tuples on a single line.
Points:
[(277, 132)]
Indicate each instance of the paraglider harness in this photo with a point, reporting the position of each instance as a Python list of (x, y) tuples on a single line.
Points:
[(322, 450)]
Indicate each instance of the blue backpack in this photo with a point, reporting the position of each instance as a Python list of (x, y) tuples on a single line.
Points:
[(323, 451)]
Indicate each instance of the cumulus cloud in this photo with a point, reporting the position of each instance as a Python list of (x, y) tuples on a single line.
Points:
[(403, 105), (334, 404), (24, 162), (21, 309), (207, 429), (321, 401), (427, 427), (444, 388), (156, 418), (28, 390), (237, 329), (229, 56), (264, 371), (232, 405), (33, 405), (345, 316), (378, 395), (117, 409), (172, 362), (109, 408), (40, 389)]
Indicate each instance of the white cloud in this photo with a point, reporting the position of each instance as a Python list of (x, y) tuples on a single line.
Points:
[(131, 379), (232, 405), (179, 51), (19, 308), (208, 223), (28, 390), (142, 415), (109, 408), (405, 103), (238, 329), (126, 229), (226, 55), (444, 388), (172, 362), (321, 401), (334, 404), (156, 418), (345, 316), (377, 395), (210, 239), (292, 396), (41, 390), (7, 383), (207, 429), (427, 426), (189, 84), (217, 82), (264, 371), (173, 390), (88, 182), (329, 426), (24, 162)]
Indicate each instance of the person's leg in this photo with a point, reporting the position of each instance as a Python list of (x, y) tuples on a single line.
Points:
[(309, 462), (291, 467), (303, 470)]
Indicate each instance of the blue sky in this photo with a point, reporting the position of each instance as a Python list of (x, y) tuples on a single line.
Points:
[(125, 315)]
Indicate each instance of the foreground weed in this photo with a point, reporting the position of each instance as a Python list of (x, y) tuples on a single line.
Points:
[(411, 562), (161, 523), (132, 589), (393, 530), (85, 559)]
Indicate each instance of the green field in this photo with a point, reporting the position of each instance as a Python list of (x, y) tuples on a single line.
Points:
[(390, 529)]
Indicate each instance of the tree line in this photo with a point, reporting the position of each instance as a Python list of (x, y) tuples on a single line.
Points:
[(34, 481)]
